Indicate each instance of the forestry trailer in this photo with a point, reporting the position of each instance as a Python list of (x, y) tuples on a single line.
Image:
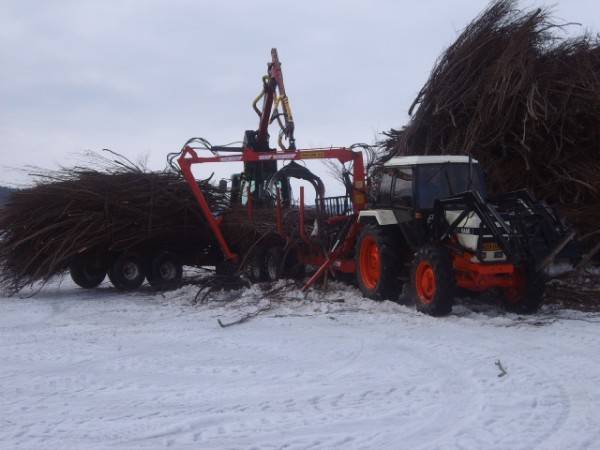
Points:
[(422, 222)]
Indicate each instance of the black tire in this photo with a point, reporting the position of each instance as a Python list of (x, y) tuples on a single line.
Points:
[(87, 272), (378, 263), (127, 272), (226, 268), (528, 294), (165, 271), (293, 267), (274, 263), (256, 269), (432, 282)]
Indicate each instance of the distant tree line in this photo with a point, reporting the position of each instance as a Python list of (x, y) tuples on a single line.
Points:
[(4, 193)]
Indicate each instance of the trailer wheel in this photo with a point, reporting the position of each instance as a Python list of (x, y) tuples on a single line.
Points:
[(273, 262), (255, 268), (127, 272), (432, 281), (293, 267), (226, 268), (165, 271), (86, 272), (377, 263), (527, 294)]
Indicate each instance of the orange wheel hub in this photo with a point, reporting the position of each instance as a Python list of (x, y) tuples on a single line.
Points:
[(369, 262), (425, 282)]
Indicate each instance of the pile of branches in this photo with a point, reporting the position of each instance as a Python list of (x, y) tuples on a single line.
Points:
[(578, 290), (115, 205), (248, 232), (524, 100), (241, 225)]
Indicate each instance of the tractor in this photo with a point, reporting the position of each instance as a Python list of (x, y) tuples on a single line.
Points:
[(431, 226)]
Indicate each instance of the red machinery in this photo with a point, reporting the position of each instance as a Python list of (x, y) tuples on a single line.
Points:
[(260, 165), (429, 220)]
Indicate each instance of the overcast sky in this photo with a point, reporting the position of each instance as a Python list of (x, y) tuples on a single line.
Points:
[(140, 77)]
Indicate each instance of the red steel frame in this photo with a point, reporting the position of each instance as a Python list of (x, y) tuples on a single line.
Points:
[(189, 157), (479, 277)]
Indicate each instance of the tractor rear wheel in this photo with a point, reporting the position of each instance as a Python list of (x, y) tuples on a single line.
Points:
[(432, 281), (87, 272), (527, 293), (127, 272), (377, 263), (165, 271)]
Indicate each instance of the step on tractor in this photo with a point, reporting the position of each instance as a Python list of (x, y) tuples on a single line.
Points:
[(420, 227)]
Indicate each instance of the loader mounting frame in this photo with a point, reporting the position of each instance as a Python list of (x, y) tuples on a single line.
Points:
[(344, 244)]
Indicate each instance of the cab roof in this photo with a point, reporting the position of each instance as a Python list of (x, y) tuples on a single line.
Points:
[(428, 159)]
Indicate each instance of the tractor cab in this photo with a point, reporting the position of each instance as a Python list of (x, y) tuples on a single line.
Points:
[(434, 212), (263, 192), (415, 182)]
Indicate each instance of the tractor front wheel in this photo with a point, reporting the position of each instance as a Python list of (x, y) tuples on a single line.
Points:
[(432, 281), (527, 293), (377, 263)]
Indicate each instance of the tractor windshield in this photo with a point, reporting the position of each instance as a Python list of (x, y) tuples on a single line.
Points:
[(437, 181)]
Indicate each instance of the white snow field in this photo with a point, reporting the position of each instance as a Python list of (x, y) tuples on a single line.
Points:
[(104, 370)]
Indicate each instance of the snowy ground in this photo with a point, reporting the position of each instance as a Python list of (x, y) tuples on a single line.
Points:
[(90, 370)]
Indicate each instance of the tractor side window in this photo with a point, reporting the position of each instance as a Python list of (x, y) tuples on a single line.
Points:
[(432, 185), (385, 187), (437, 181), (402, 191)]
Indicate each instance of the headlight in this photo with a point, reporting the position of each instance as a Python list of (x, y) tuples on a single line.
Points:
[(490, 247)]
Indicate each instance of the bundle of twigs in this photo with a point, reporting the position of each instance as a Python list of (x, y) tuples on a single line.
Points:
[(524, 101), (240, 225), (116, 207), (575, 290)]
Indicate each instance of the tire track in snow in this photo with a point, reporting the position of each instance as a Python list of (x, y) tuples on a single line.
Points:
[(544, 413), (380, 376)]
